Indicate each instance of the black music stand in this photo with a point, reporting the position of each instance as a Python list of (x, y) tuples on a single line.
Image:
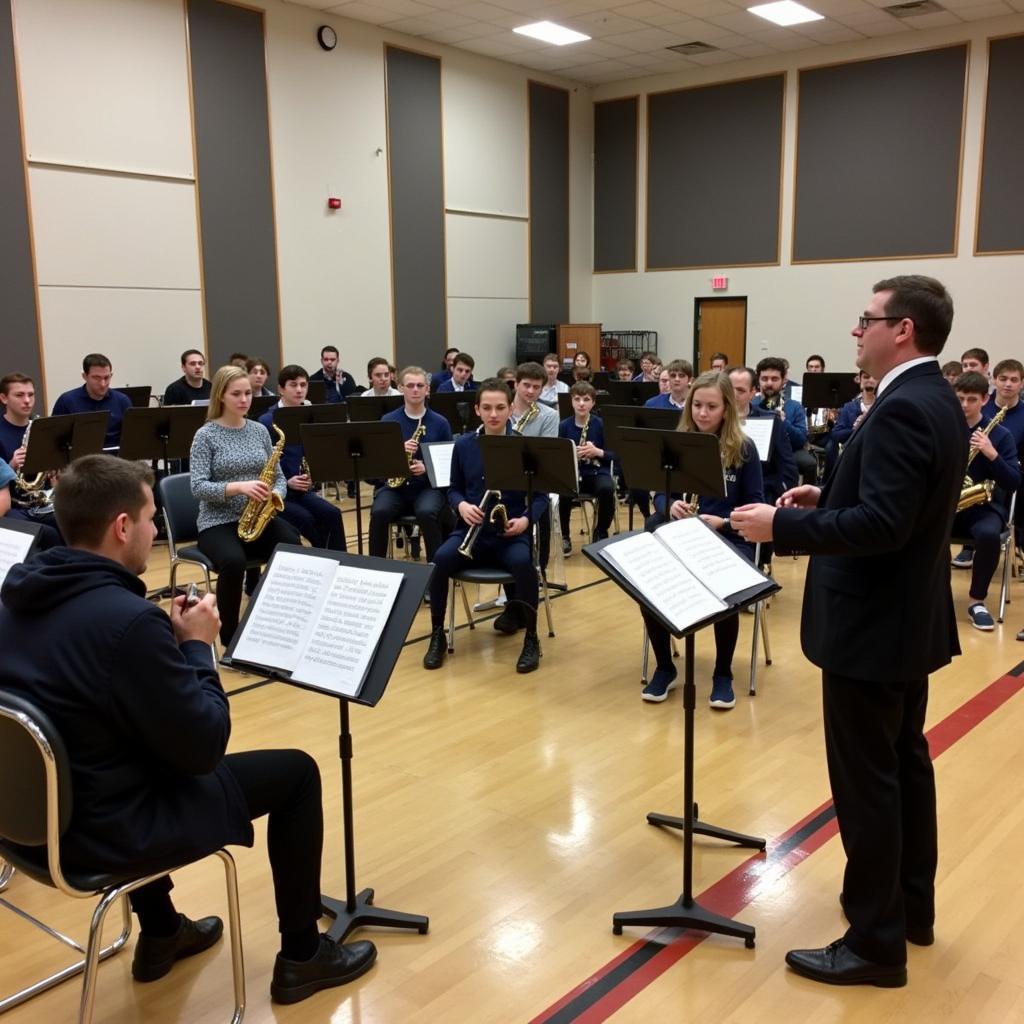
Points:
[(686, 912), (138, 396), (354, 451), (828, 390), (458, 408), (56, 441), (631, 392), (163, 432), (290, 417), (317, 393), (357, 910), (260, 404), (366, 408)]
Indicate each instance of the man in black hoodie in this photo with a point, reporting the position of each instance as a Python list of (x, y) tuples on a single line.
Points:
[(136, 698)]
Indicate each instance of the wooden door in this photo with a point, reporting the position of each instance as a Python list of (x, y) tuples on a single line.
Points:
[(720, 325)]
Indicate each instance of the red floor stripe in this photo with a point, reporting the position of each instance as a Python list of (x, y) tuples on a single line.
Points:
[(739, 888)]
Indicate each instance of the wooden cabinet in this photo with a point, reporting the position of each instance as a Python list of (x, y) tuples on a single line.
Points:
[(573, 338)]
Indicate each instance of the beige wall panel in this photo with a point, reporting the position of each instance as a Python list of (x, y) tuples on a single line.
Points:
[(486, 329), (487, 257)]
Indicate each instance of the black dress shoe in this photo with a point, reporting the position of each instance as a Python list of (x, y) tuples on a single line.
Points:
[(837, 964), (529, 659), (333, 964), (155, 955), (918, 934), (509, 621), (438, 648)]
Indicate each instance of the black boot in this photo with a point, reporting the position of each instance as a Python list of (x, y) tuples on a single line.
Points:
[(434, 658), (510, 620), (529, 659)]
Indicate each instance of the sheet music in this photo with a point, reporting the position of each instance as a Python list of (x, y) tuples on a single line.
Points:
[(667, 585), (759, 430), (348, 629), (277, 631), (14, 546), (710, 558), (437, 457), (796, 392)]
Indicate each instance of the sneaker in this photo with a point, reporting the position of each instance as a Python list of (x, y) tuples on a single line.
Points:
[(155, 956), (333, 964), (663, 680), (566, 546), (722, 696), (981, 618), (964, 559)]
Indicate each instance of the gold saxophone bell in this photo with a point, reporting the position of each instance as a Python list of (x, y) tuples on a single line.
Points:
[(257, 514), (972, 493), (32, 495)]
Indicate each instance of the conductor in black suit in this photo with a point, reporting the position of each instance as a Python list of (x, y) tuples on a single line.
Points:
[(877, 619)]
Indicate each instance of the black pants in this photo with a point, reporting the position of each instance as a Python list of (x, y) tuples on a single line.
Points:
[(984, 524), (727, 632), (389, 503), (229, 554), (49, 533), (286, 785), (807, 466), (316, 519), (601, 487), (883, 788)]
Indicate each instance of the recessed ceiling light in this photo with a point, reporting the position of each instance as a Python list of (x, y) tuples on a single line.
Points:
[(549, 32), (786, 12)]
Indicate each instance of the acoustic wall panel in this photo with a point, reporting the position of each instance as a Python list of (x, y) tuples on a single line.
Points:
[(1000, 209), (233, 172), (878, 157), (714, 174), (615, 183), (549, 204), (416, 173), (487, 257), (19, 327)]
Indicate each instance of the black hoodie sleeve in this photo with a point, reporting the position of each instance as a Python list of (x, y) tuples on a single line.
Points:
[(170, 697)]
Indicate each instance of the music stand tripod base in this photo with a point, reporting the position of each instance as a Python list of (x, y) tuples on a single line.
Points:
[(364, 914), (685, 915)]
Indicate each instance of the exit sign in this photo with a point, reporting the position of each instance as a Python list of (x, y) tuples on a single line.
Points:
[(719, 284)]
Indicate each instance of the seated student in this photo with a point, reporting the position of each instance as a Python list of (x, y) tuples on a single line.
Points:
[(952, 370), (553, 387), (664, 383), (317, 520), (993, 457), (582, 360), (624, 369), (339, 383), (507, 548), (582, 373), (191, 386), (18, 397), (772, 380), (815, 364), (680, 373), (849, 418), (239, 359), (259, 372), (228, 456), (647, 364), (446, 368), (975, 360), (378, 371), (711, 409), (719, 362), (96, 395), (415, 497), (135, 696), (594, 462), (508, 375), (462, 375)]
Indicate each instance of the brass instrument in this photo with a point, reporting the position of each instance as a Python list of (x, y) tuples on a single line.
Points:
[(498, 516), (397, 481), (772, 402), (693, 500), (32, 495), (524, 421), (972, 493), (583, 441), (258, 513)]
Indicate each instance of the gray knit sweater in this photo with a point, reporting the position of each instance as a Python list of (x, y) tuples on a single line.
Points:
[(222, 455)]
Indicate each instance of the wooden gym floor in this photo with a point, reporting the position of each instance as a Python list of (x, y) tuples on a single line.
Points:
[(511, 810)]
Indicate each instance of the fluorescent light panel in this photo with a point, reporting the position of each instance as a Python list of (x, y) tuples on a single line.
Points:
[(549, 32), (785, 13)]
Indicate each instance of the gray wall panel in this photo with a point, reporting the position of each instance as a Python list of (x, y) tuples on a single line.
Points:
[(19, 325), (878, 157), (1001, 209), (615, 184), (714, 174), (236, 206), (416, 169), (549, 204)]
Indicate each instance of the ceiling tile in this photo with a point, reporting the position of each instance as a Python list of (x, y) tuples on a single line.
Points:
[(740, 21), (365, 12), (649, 12), (936, 20), (753, 50), (718, 57), (474, 30), (646, 40), (988, 10), (492, 15), (884, 27)]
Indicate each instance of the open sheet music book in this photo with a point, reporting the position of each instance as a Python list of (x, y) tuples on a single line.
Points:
[(15, 546), (316, 621), (684, 571)]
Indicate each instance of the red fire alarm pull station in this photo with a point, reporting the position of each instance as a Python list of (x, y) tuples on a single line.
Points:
[(333, 203)]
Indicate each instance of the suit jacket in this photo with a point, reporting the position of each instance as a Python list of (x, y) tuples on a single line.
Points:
[(877, 600)]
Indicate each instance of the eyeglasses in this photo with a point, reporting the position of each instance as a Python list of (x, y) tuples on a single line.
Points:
[(864, 321)]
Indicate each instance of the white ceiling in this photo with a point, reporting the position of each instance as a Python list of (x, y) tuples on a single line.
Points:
[(629, 40)]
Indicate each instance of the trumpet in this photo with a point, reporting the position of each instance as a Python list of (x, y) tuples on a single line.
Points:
[(397, 481), (498, 516)]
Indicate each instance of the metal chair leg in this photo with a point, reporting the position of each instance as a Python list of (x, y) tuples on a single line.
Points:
[(6, 873), (452, 584), (645, 657), (235, 926)]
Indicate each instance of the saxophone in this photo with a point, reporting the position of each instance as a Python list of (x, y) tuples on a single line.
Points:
[(583, 441), (257, 514), (397, 481), (524, 421), (32, 494), (978, 494)]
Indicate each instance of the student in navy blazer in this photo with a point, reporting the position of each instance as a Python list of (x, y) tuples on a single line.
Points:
[(462, 375), (877, 619), (508, 549)]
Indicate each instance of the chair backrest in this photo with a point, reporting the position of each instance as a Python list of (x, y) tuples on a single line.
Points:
[(36, 795), (181, 509)]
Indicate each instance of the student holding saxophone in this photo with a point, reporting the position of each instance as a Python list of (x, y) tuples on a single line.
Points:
[(229, 458)]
